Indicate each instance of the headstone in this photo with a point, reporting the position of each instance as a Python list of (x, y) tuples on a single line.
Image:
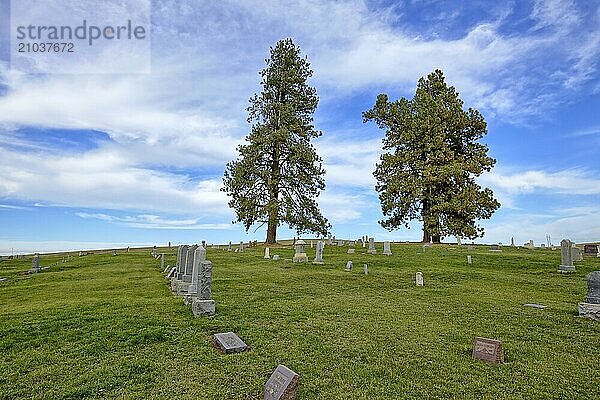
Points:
[(198, 258), (114, 253), (419, 278), (576, 253), (3, 279), (469, 260), (566, 256), (458, 242), (229, 247), (470, 247), (329, 240), (35, 263), (495, 248), (366, 269), (387, 248), (282, 385), (267, 255), (349, 266), (590, 249), (202, 304), (319, 253), (364, 244), (189, 264), (300, 253), (350, 251), (241, 248), (512, 242), (162, 260), (172, 273), (229, 342), (533, 305), (488, 350), (276, 257), (591, 307), (371, 249), (311, 244), (128, 249), (169, 244)]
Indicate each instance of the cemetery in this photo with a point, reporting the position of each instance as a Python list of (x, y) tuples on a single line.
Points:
[(209, 323)]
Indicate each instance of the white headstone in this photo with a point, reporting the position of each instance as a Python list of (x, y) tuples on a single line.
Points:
[(419, 278), (387, 249), (469, 260), (349, 266), (267, 256)]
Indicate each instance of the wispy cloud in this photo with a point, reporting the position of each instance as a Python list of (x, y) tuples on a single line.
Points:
[(154, 222)]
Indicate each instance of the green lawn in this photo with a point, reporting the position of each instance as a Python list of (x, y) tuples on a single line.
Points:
[(108, 327)]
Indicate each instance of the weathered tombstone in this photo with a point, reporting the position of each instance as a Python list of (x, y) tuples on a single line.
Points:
[(488, 350), (35, 263), (276, 257), (566, 256), (198, 258), (128, 249), (591, 307), (229, 247), (371, 249), (576, 254), (387, 248), (350, 251), (179, 257), (349, 266), (300, 253), (282, 385), (495, 248), (241, 248), (419, 278), (154, 251), (203, 304), (162, 260), (469, 260), (114, 253), (319, 253), (189, 264), (590, 249), (512, 242), (267, 255), (172, 273), (229, 342), (366, 269)]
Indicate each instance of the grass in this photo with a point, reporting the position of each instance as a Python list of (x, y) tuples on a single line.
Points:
[(100, 326)]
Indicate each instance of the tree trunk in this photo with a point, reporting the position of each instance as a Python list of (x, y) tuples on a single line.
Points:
[(272, 231), (426, 237)]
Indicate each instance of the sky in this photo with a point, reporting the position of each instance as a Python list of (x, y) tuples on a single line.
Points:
[(106, 160)]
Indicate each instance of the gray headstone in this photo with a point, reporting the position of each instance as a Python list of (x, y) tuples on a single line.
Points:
[(469, 260), (319, 253), (590, 249), (387, 248), (576, 254), (162, 260), (371, 249), (205, 281), (349, 266), (593, 288), (229, 247), (350, 251), (300, 253), (199, 258), (276, 257), (241, 248), (366, 269), (512, 242), (189, 264), (282, 385), (229, 342), (566, 256)]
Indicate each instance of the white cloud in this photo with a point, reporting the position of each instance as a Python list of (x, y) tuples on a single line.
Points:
[(572, 181), (154, 222)]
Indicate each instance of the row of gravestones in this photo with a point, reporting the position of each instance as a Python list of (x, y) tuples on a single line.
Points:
[(191, 277)]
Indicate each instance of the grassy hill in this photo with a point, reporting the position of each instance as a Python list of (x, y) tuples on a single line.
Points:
[(103, 326)]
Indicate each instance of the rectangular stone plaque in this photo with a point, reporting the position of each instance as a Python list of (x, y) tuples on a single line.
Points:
[(282, 384), (229, 342), (488, 350)]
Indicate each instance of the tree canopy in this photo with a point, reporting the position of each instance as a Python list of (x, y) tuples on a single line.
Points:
[(278, 174), (430, 161)]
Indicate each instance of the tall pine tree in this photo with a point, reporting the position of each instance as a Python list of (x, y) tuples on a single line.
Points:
[(278, 174), (430, 161)]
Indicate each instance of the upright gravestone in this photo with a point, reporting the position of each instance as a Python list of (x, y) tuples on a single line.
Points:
[(364, 244), (202, 303), (198, 258), (372, 249), (300, 253), (229, 247), (241, 248), (576, 254), (267, 255), (189, 264), (419, 278), (282, 385), (566, 256), (387, 248), (366, 269), (590, 250), (162, 261), (512, 242), (469, 260), (591, 307), (458, 242), (349, 266), (319, 253), (35, 263)]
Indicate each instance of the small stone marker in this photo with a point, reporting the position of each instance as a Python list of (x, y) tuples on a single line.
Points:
[(350, 251), (241, 248), (387, 249), (366, 269), (419, 278), (229, 342), (275, 257), (576, 253), (282, 385), (114, 253), (300, 254), (469, 260), (372, 249), (533, 305), (590, 249), (3, 279), (349, 266), (488, 350), (267, 255)]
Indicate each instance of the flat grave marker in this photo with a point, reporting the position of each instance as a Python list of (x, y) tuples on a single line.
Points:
[(488, 350), (282, 385), (229, 342)]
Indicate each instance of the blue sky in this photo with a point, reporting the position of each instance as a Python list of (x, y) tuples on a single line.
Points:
[(107, 160)]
